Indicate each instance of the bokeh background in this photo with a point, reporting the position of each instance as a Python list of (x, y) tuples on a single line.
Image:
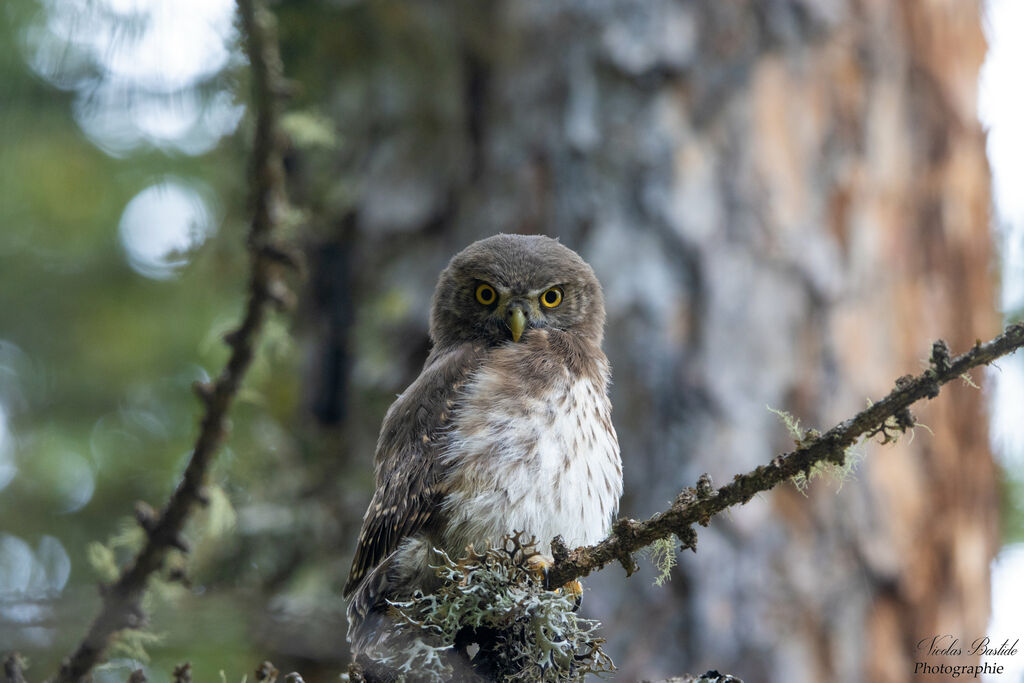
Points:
[(786, 203)]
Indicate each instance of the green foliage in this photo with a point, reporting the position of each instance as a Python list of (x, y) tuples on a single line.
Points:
[(104, 557), (310, 129), (220, 514), (101, 559), (525, 633), (133, 643)]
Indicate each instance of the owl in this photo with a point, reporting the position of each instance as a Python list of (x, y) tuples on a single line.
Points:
[(507, 428)]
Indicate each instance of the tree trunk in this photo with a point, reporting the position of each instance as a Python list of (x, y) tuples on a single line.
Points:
[(786, 202)]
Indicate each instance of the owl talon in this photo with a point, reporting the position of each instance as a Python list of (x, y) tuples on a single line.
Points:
[(538, 565), (575, 589)]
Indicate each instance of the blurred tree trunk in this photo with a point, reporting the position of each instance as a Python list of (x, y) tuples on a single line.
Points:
[(786, 203)]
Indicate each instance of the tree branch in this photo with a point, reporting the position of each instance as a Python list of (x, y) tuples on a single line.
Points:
[(885, 418), (121, 600), (13, 666)]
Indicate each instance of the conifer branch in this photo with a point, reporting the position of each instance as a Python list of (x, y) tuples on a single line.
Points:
[(121, 606)]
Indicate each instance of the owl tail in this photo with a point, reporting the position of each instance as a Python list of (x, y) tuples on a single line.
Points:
[(368, 620), (378, 642)]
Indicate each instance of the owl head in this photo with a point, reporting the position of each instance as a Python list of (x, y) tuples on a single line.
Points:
[(499, 289)]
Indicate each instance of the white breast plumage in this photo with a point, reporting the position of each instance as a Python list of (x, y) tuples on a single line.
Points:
[(546, 464)]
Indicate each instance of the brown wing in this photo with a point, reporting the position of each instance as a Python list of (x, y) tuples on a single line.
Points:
[(407, 470)]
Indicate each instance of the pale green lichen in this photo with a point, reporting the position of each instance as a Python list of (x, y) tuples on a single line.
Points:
[(133, 643), (310, 129), (221, 517), (968, 380), (102, 560), (662, 554), (493, 600), (792, 424), (165, 588), (836, 472)]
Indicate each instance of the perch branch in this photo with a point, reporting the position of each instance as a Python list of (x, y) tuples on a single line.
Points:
[(886, 418), (121, 606)]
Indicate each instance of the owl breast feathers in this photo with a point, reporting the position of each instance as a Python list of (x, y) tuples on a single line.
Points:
[(508, 427)]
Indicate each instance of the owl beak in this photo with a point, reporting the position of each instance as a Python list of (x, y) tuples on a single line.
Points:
[(516, 322)]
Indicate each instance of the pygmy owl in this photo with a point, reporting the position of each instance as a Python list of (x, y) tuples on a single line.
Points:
[(507, 428)]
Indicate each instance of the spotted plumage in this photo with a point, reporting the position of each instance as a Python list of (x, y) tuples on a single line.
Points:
[(507, 428)]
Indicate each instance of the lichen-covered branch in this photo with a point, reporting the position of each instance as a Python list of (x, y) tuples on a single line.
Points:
[(886, 418), (121, 608)]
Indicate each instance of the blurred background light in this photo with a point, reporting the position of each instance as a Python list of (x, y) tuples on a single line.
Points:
[(52, 567), (136, 68), (28, 581), (7, 467), (1007, 597), (1001, 109), (161, 225), (73, 482), (16, 561), (12, 359), (14, 365)]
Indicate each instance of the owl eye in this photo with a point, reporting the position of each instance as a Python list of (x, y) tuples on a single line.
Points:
[(485, 294), (552, 297)]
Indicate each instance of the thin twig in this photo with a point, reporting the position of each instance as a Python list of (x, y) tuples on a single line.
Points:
[(121, 607), (183, 673), (697, 505)]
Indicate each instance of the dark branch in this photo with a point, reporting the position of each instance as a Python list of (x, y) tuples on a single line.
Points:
[(183, 673), (121, 600), (886, 418), (13, 667)]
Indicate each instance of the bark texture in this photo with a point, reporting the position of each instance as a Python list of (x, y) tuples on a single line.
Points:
[(786, 203)]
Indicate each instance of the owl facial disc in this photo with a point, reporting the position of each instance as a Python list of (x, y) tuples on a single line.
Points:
[(477, 295)]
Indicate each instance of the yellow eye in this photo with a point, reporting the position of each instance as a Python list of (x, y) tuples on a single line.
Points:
[(485, 294), (552, 297)]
